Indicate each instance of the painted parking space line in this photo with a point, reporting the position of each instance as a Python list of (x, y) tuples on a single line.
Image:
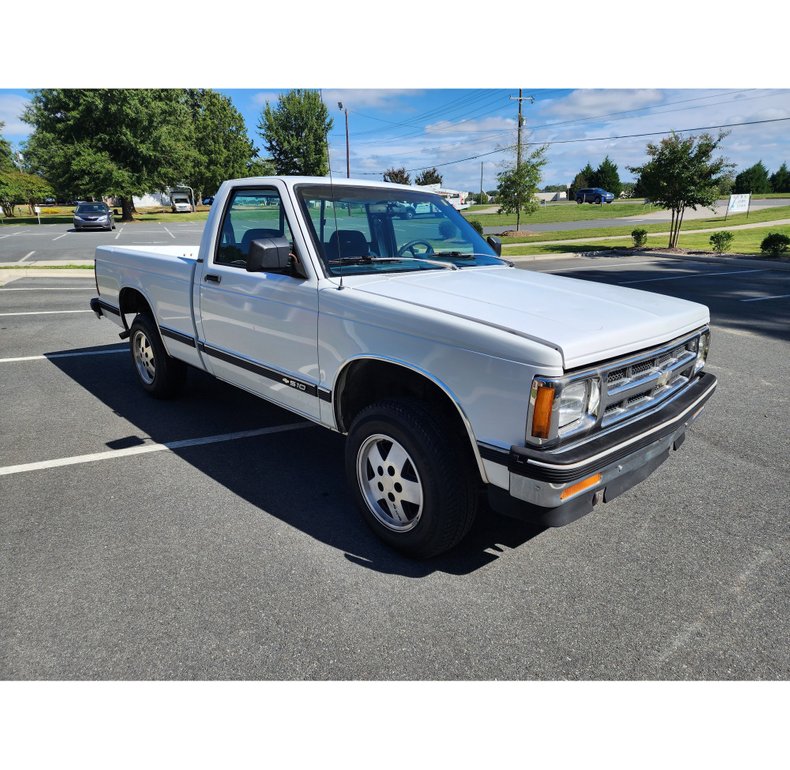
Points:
[(113, 454), (118, 235), (27, 256), (4, 289), (44, 312), (763, 299), (60, 236), (169, 233), (75, 354), (694, 275)]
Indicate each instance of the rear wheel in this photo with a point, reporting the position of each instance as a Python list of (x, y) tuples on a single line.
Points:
[(160, 375), (414, 485)]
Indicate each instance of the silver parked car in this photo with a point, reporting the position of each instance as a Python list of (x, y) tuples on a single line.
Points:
[(93, 216)]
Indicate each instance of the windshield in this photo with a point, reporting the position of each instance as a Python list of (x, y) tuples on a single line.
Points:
[(91, 208), (375, 230)]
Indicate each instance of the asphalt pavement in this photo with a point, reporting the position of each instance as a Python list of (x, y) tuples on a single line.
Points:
[(146, 539)]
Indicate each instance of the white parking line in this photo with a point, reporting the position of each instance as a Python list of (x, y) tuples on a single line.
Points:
[(27, 256), (4, 289), (169, 233), (112, 454), (46, 312), (60, 236), (63, 355), (10, 235), (119, 234), (762, 299), (695, 275)]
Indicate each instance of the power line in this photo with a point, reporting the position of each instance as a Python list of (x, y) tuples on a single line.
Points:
[(591, 139)]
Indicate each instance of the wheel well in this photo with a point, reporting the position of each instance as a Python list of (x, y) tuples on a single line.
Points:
[(133, 301), (368, 381)]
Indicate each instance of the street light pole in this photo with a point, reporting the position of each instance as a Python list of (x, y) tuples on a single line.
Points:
[(348, 159)]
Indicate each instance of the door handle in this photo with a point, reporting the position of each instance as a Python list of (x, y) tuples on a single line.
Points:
[(212, 277)]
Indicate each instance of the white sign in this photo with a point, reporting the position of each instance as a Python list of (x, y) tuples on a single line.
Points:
[(738, 203), (36, 210)]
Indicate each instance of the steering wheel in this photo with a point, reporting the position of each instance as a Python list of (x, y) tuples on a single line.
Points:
[(410, 247)]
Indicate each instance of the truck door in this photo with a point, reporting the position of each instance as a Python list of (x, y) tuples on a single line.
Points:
[(259, 330)]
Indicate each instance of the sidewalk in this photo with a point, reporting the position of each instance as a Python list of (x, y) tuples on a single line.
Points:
[(47, 269)]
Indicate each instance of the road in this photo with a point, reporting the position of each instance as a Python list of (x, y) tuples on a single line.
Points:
[(32, 243), (139, 545)]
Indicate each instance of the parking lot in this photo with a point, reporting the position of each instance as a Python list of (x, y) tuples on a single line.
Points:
[(214, 537)]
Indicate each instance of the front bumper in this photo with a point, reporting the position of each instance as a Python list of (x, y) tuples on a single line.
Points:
[(542, 482)]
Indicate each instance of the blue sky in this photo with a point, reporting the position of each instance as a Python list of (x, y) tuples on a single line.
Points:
[(432, 84), (418, 128)]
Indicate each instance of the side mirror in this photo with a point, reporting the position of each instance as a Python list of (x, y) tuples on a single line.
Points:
[(495, 244), (272, 254)]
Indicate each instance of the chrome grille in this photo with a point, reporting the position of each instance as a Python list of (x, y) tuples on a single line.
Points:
[(645, 380)]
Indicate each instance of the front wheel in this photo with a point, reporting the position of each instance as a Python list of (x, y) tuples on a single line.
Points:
[(158, 373), (413, 484)]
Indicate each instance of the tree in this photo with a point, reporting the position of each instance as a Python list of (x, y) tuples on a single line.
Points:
[(18, 187), (780, 180), (606, 176), (222, 148), (95, 143), (6, 155), (397, 176), (295, 133), (753, 180), (518, 185), (583, 179), (429, 176), (682, 173)]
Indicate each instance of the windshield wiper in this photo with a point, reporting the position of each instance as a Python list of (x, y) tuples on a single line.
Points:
[(371, 260), (367, 260)]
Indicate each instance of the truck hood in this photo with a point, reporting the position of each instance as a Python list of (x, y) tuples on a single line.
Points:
[(585, 321)]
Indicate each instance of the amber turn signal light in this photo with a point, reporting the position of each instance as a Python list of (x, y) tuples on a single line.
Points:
[(541, 415), (580, 486)]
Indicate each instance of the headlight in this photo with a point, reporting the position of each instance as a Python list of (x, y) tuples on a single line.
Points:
[(561, 407)]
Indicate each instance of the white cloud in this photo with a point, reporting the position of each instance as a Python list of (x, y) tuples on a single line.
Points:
[(589, 103), (365, 98), (11, 108)]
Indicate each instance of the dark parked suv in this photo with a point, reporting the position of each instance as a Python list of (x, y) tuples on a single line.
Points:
[(594, 195)]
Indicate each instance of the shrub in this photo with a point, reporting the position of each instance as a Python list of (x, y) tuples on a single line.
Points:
[(477, 226), (640, 237), (722, 241), (775, 244)]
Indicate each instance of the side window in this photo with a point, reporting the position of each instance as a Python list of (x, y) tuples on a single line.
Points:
[(252, 214)]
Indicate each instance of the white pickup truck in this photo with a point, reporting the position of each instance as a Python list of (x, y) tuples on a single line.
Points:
[(453, 375)]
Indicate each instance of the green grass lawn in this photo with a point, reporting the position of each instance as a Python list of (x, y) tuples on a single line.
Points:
[(744, 242), (566, 212)]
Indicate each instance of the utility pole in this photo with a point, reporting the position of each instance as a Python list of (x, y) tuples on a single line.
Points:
[(520, 99), (348, 159), (481, 182)]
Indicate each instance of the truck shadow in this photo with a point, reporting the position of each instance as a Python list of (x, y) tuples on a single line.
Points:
[(298, 476)]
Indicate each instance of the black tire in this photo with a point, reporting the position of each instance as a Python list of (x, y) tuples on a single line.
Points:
[(158, 373), (598, 200), (435, 466)]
